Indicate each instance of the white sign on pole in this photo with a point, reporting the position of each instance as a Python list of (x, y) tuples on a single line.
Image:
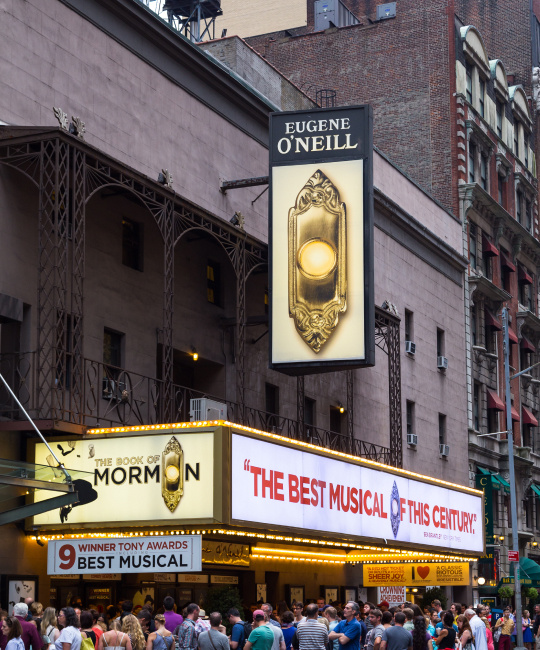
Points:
[(125, 554), (327, 494), (392, 595)]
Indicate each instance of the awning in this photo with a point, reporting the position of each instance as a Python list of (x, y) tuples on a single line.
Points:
[(494, 401), (527, 345), (512, 336), (495, 484), (529, 568), (515, 414), (505, 261), (528, 417), (492, 322), (503, 482), (523, 276), (489, 249), (535, 489)]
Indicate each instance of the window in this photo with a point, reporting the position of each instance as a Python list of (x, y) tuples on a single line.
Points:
[(526, 148), (469, 82), (474, 325), (519, 201), (476, 407), (309, 411), (499, 119), (493, 421), (473, 259), (516, 139), (132, 244), (112, 348), (505, 271), (409, 325), (440, 343), (489, 338), (442, 429), (336, 418), (271, 396), (472, 161), (481, 96), (525, 295), (528, 216), (483, 172), (213, 283), (410, 417), (500, 183)]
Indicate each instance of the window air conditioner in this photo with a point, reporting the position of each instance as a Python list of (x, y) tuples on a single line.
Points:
[(412, 439), (112, 389), (442, 363), (444, 450), (410, 347), (202, 409)]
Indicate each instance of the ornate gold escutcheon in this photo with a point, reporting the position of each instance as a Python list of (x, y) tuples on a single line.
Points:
[(317, 260), (172, 473)]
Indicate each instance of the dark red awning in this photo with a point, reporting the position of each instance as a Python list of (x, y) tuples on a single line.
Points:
[(528, 417), (494, 401), (512, 336), (505, 261), (492, 322), (527, 345), (523, 276), (515, 414), (489, 247)]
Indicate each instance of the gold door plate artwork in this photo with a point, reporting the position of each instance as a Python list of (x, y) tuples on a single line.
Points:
[(172, 473), (317, 244)]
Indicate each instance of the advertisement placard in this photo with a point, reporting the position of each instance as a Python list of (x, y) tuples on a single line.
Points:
[(167, 476), (125, 554), (321, 240), (326, 494), (416, 575), (392, 595)]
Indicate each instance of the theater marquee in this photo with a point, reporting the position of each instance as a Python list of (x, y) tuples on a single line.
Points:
[(321, 240)]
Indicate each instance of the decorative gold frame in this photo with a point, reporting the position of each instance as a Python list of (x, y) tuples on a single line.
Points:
[(315, 302), (172, 487)]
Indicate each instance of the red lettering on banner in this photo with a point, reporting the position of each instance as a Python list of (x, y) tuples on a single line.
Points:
[(376, 506), (345, 504), (314, 494), (256, 471), (322, 485), (294, 494), (436, 521), (426, 514), (304, 490), (384, 515), (402, 508), (354, 500), (367, 509), (278, 486), (267, 483), (334, 496)]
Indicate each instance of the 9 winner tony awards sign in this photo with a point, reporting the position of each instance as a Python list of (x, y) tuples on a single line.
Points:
[(321, 240)]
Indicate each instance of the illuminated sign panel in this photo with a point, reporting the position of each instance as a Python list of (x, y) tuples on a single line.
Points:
[(318, 493), (125, 554), (415, 575), (137, 478), (321, 240)]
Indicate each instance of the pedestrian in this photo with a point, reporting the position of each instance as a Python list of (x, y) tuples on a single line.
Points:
[(288, 629), (446, 635), (127, 608), (214, 639), (172, 619), (114, 639), (85, 623), (374, 636), (12, 630), (187, 632), (506, 626), (349, 631), (70, 637), (144, 619), (49, 626), (161, 639), (409, 616), (478, 629), (465, 634), (420, 636), (330, 614), (436, 604), (36, 609), (527, 631), (261, 637), (240, 630), (279, 640), (311, 635), (298, 611), (396, 638), (489, 635), (132, 627), (269, 611), (30, 635), (98, 630)]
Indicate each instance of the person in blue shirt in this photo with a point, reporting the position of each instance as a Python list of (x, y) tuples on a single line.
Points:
[(349, 631)]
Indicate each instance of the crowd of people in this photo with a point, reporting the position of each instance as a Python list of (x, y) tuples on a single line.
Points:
[(316, 626)]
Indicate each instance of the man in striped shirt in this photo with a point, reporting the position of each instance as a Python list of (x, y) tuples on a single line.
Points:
[(311, 634)]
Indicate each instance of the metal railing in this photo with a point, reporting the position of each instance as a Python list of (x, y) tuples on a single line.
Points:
[(116, 397)]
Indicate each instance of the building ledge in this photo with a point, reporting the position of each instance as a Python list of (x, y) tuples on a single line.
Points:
[(488, 289)]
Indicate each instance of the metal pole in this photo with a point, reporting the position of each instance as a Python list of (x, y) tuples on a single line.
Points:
[(60, 465), (513, 500)]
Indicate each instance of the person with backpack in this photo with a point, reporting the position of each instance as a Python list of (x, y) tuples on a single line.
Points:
[(240, 630)]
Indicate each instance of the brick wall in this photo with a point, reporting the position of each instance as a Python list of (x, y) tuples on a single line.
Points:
[(402, 67)]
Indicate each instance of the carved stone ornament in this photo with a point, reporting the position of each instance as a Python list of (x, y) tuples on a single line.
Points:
[(172, 474), (165, 178), (317, 261), (61, 117), (536, 86), (77, 127)]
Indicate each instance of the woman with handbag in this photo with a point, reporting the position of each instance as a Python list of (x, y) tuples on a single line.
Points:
[(527, 630), (465, 634), (489, 634)]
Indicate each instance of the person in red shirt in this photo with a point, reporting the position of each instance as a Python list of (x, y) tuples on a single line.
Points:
[(30, 635)]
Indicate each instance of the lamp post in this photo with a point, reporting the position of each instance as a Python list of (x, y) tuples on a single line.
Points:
[(513, 499)]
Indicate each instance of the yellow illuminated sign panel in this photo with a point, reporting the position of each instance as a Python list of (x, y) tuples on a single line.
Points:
[(416, 575)]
